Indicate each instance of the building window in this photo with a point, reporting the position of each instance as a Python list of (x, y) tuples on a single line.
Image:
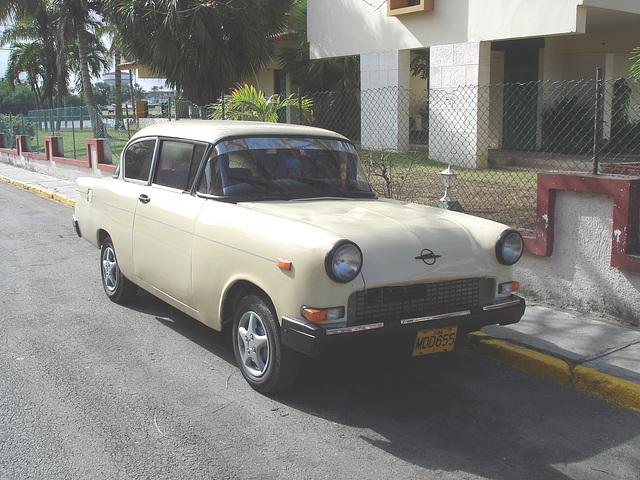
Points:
[(401, 7)]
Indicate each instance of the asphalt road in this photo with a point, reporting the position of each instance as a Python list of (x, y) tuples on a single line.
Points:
[(93, 390)]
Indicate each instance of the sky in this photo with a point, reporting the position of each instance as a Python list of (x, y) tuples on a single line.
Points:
[(4, 58)]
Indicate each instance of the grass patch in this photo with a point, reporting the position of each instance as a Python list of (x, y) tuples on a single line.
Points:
[(75, 141)]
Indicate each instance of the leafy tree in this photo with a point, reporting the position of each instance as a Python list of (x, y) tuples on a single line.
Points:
[(102, 92), (16, 98), (420, 65), (138, 94), (73, 100), (246, 102), (201, 48)]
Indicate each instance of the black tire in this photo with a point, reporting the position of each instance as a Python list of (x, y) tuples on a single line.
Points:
[(118, 288), (265, 363)]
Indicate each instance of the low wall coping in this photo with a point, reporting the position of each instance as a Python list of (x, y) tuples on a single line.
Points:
[(625, 248)]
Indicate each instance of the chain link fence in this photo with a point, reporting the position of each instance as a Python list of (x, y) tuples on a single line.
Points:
[(496, 138)]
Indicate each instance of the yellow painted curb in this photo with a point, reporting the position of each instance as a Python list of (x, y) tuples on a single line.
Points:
[(525, 359), (607, 386), (69, 202), (612, 388), (40, 191), (43, 192)]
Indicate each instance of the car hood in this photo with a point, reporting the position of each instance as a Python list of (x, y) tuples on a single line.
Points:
[(392, 234)]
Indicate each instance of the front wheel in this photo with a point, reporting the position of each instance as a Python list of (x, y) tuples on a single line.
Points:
[(118, 288), (265, 363)]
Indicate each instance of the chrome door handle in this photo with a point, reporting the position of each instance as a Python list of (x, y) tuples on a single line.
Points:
[(144, 198)]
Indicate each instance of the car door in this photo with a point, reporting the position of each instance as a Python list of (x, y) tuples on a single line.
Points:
[(165, 220), (136, 163)]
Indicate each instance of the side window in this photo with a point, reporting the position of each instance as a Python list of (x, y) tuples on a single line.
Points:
[(137, 160), (211, 181), (178, 164)]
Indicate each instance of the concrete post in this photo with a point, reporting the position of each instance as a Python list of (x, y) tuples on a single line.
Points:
[(385, 100)]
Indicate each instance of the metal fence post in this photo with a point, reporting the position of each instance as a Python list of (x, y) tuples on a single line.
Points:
[(73, 130), (300, 107), (597, 120)]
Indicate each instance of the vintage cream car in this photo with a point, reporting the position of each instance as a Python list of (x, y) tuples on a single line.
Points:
[(274, 232)]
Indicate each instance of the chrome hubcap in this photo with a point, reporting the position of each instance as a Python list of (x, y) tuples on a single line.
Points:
[(110, 270), (253, 344)]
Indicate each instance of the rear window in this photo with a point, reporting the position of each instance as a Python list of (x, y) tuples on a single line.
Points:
[(137, 160)]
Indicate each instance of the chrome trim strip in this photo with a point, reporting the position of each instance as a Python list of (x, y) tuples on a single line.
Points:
[(76, 225), (497, 306), (461, 313), (301, 323), (358, 328)]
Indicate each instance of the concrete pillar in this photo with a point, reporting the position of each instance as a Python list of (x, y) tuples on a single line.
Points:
[(459, 97), (385, 90)]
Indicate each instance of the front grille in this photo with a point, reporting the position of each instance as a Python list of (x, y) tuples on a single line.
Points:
[(412, 301)]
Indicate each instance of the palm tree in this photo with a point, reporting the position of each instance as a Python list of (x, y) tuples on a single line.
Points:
[(25, 58), (60, 23), (32, 43), (635, 68), (246, 102), (78, 13), (201, 48)]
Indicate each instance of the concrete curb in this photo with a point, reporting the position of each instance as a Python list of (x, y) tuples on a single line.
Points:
[(43, 192), (607, 386)]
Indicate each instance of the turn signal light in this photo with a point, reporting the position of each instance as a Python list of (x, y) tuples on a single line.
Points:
[(509, 287), (283, 264), (322, 314)]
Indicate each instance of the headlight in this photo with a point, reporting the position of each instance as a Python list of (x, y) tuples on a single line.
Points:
[(343, 261), (509, 247)]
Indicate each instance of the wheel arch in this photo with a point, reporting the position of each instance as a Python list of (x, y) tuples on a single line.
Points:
[(102, 236), (235, 293)]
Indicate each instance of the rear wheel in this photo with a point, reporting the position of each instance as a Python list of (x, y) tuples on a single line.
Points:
[(265, 363), (118, 288)]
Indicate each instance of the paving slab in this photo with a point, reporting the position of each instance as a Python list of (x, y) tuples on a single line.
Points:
[(624, 363), (574, 337), (39, 181)]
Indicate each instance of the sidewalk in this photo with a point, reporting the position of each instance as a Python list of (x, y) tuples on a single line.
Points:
[(587, 353), (62, 191)]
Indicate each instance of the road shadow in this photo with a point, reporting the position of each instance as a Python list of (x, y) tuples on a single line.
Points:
[(460, 412), (218, 343), (457, 412)]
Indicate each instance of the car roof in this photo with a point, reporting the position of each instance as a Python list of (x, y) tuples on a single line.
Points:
[(213, 130)]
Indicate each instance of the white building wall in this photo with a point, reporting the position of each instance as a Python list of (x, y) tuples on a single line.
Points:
[(458, 135), (385, 84), (352, 27)]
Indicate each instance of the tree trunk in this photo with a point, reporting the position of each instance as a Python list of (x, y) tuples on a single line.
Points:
[(86, 81), (118, 89), (60, 74)]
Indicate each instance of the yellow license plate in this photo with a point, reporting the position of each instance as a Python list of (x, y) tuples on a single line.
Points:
[(435, 341)]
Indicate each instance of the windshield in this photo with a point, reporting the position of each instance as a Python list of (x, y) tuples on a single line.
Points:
[(257, 168)]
